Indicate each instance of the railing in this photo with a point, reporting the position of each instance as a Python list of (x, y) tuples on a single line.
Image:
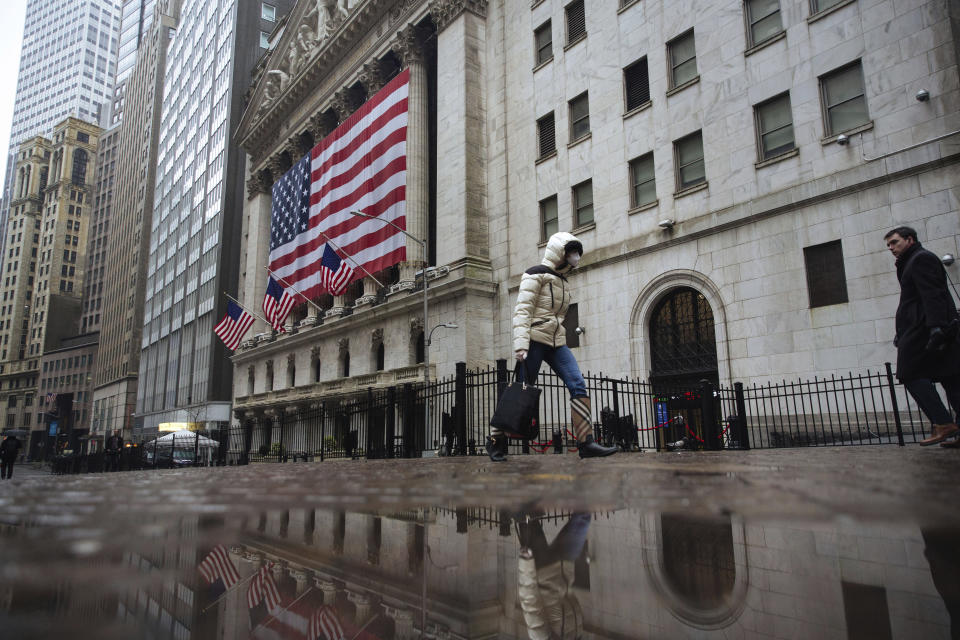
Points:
[(855, 409)]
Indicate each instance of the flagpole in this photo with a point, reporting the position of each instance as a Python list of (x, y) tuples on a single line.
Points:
[(227, 592), (273, 616), (291, 287), (229, 297), (350, 258), (365, 625)]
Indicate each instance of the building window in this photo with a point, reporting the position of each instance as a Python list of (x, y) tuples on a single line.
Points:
[(576, 21), (844, 103), (79, 173), (643, 186), (549, 224), (682, 54), (826, 279), (636, 83), (543, 41), (763, 21), (688, 159), (546, 135), (268, 12), (381, 357), (816, 6), (583, 203), (82, 137), (579, 117), (264, 40), (774, 127)]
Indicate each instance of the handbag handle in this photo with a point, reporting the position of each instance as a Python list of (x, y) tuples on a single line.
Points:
[(520, 372)]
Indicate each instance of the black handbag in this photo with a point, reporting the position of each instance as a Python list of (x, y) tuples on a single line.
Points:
[(517, 408)]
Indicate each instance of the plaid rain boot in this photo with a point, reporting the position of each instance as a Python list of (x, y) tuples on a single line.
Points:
[(583, 430)]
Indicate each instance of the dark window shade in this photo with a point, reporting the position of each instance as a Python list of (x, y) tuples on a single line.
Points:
[(637, 84), (547, 135), (576, 21), (826, 279), (543, 39), (570, 324)]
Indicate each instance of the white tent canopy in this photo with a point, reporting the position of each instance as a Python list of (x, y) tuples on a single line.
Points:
[(183, 440)]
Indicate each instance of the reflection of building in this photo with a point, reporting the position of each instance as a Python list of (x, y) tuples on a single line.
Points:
[(729, 237)]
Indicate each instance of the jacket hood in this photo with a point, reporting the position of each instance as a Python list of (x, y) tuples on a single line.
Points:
[(555, 254)]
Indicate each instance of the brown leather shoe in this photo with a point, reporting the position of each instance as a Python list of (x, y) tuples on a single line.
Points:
[(940, 433)]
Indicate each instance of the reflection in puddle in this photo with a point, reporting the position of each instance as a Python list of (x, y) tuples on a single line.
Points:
[(478, 573)]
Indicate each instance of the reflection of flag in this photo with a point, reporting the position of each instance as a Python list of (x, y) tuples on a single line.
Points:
[(233, 326), (335, 274), (324, 624), (277, 303), (218, 566), (263, 588), (361, 166)]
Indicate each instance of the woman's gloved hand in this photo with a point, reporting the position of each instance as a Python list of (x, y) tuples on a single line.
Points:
[(520, 354)]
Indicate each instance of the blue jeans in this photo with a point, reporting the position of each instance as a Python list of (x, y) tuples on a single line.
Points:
[(929, 401), (562, 362)]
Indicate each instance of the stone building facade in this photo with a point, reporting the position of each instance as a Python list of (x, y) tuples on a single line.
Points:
[(731, 168), (45, 265)]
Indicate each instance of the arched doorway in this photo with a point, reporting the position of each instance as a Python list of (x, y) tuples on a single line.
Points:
[(683, 344)]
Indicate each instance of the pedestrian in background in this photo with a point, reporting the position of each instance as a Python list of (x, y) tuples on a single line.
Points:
[(9, 449), (539, 336), (927, 328), (112, 451)]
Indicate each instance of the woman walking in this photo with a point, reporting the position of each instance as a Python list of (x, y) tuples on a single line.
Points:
[(539, 336)]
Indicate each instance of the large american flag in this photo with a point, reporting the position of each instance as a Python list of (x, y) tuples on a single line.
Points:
[(325, 625), (233, 326), (217, 565), (361, 166)]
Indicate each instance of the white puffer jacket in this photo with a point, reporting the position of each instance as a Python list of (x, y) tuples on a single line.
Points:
[(544, 296)]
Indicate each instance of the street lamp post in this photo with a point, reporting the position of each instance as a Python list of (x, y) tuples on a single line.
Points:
[(426, 309)]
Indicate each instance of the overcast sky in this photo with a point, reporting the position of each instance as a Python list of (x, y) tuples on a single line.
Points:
[(12, 13)]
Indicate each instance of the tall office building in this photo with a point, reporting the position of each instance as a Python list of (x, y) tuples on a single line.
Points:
[(185, 374), (134, 31), (115, 375), (67, 67)]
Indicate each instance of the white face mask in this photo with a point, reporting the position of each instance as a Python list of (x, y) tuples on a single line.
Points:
[(573, 259)]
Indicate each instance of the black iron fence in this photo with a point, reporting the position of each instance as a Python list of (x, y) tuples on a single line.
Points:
[(451, 417)]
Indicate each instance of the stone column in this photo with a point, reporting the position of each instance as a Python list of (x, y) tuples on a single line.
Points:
[(302, 578), (257, 213), (403, 624), (329, 590), (372, 79), (364, 607), (409, 47)]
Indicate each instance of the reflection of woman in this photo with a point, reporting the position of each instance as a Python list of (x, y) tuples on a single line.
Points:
[(539, 336), (545, 575)]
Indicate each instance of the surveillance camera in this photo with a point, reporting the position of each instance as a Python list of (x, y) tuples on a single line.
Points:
[(923, 95), (947, 259), (843, 140), (666, 224), (580, 331)]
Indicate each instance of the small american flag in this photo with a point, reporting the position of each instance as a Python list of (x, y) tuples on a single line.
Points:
[(335, 274), (234, 325), (324, 624), (217, 565), (361, 166), (262, 587), (277, 303)]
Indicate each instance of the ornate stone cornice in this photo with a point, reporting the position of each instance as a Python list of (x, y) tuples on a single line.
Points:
[(408, 45), (343, 104), (444, 12), (372, 77), (257, 184)]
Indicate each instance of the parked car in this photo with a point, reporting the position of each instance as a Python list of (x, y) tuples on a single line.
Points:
[(167, 459)]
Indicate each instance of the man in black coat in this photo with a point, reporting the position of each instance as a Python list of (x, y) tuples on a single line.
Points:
[(927, 325), (9, 449)]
